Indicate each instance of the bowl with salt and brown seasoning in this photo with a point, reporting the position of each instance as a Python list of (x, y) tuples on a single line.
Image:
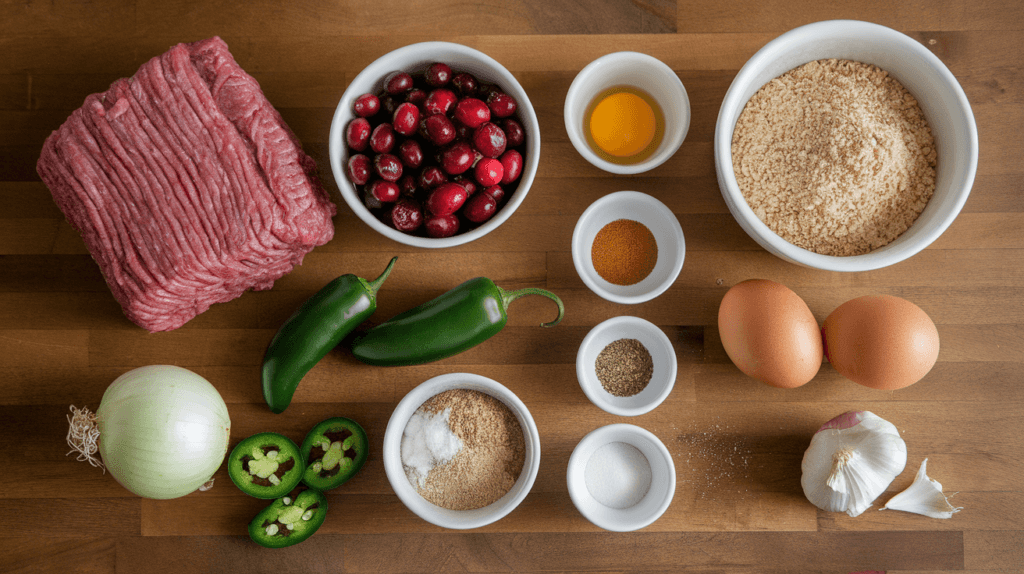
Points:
[(461, 451), (845, 146)]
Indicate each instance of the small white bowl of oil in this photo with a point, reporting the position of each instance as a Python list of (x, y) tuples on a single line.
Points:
[(621, 477), (627, 112)]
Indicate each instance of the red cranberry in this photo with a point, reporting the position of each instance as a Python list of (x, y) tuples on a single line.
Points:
[(465, 84), (501, 104), (495, 191), (488, 172), (480, 208), (467, 183), (489, 140), (440, 226), (512, 161), (416, 96), (439, 101), (366, 105), (357, 134), (397, 83), (431, 177), (446, 199), (387, 166), (406, 215), (384, 191), (389, 104), (438, 74), (439, 129), (358, 169), (410, 153), (406, 118), (472, 112), (457, 158), (407, 186), (485, 91), (514, 132), (370, 201), (383, 139), (462, 131)]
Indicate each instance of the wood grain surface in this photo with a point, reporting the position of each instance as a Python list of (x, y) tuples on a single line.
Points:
[(737, 444)]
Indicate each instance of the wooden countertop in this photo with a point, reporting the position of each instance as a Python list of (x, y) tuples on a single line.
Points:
[(737, 443)]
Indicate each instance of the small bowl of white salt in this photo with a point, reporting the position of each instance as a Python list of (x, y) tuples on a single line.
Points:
[(461, 451), (621, 477)]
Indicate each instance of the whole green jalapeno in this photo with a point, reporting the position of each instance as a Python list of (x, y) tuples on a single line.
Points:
[(450, 324), (313, 330), (289, 519)]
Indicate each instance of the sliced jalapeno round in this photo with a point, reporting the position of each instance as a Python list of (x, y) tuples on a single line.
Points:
[(266, 465), (289, 519), (335, 451)]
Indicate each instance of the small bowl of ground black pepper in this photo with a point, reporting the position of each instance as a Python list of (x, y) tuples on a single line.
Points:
[(628, 247), (461, 451), (626, 366)]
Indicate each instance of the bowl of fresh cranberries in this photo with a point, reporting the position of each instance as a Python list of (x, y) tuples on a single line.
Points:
[(434, 144)]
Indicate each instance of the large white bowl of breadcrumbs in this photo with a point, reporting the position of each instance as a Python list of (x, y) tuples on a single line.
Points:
[(845, 146)]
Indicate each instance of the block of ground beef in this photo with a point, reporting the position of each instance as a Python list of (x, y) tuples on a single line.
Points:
[(186, 185)]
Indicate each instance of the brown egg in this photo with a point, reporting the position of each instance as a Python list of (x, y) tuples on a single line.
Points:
[(881, 341), (770, 333)]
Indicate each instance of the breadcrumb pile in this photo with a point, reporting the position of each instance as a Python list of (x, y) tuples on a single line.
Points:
[(835, 157)]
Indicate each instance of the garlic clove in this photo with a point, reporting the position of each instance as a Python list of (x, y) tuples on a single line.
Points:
[(924, 496)]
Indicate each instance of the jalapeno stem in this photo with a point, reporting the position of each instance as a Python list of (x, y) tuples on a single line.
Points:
[(508, 297), (373, 286)]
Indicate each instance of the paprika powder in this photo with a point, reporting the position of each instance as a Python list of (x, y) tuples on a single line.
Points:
[(624, 252)]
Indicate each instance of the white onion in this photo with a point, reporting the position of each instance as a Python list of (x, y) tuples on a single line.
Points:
[(163, 431)]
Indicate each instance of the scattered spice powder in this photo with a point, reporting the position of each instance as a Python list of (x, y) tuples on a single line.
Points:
[(717, 460), (491, 458), (624, 252), (835, 156), (624, 367)]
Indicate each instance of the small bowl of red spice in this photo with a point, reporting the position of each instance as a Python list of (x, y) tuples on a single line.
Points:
[(628, 247)]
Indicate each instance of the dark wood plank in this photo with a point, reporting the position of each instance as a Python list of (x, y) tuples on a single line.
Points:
[(45, 554), (600, 552)]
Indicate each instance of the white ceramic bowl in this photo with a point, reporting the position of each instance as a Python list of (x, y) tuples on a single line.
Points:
[(650, 507), (663, 356), (415, 58), (654, 215), (940, 96), (640, 71), (458, 519)]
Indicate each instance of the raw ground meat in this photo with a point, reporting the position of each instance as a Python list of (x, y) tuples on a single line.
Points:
[(187, 186)]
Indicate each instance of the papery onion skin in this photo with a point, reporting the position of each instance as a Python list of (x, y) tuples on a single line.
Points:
[(164, 431)]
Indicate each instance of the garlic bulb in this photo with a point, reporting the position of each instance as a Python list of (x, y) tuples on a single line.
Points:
[(852, 459), (924, 496)]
